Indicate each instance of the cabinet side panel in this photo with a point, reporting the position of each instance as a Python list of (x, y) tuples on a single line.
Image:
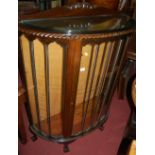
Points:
[(28, 74), (55, 85), (40, 77)]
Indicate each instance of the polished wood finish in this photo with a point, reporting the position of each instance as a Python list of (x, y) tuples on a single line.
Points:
[(71, 77), (73, 118), (72, 61)]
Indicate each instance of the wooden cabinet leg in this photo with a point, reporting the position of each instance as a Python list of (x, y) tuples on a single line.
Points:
[(66, 148), (34, 136), (101, 127)]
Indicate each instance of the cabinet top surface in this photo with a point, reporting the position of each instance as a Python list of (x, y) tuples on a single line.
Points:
[(80, 24)]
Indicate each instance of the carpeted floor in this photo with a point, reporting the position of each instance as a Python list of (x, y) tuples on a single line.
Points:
[(98, 142)]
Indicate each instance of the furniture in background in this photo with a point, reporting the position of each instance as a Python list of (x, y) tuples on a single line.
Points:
[(132, 148), (32, 6), (130, 62), (128, 5), (72, 68), (129, 68), (128, 144), (110, 4), (49, 4), (27, 7), (21, 101)]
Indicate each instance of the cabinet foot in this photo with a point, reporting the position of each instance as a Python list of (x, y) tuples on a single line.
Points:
[(34, 138), (101, 127), (66, 148)]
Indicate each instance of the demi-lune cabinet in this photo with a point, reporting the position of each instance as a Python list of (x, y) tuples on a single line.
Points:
[(71, 68)]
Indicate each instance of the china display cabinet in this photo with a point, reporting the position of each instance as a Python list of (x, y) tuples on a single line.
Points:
[(71, 66)]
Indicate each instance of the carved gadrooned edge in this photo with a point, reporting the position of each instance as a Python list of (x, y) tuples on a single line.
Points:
[(47, 35)]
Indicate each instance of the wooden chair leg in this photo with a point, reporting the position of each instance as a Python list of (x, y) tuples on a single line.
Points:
[(21, 126), (21, 102)]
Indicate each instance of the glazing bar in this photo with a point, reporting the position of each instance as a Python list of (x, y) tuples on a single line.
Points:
[(46, 58)]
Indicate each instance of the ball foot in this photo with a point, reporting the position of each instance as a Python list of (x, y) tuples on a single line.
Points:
[(66, 148), (101, 127), (34, 138)]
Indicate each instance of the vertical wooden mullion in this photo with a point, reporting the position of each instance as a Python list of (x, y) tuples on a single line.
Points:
[(46, 60), (64, 67), (70, 86)]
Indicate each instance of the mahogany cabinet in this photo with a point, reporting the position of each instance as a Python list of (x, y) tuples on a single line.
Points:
[(72, 65)]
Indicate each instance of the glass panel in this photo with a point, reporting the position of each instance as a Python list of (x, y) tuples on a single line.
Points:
[(87, 106), (111, 75), (83, 73), (55, 68), (40, 79), (104, 75), (97, 75), (55, 83), (83, 24), (25, 49), (88, 101), (105, 67)]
